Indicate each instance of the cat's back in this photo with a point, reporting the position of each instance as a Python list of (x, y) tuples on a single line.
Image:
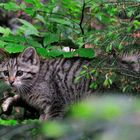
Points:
[(60, 75), (63, 67)]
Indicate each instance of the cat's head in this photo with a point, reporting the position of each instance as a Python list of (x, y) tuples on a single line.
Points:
[(130, 62), (20, 72)]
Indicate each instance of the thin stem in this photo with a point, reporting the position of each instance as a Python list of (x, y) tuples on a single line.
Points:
[(82, 18)]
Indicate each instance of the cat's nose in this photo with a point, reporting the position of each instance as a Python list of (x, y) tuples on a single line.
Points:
[(11, 80)]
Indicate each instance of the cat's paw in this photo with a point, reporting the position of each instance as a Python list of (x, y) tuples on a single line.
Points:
[(43, 117), (6, 105)]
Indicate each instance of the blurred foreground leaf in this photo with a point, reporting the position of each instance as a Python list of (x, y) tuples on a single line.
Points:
[(8, 122)]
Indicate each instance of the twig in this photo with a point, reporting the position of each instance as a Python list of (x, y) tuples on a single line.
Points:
[(129, 75), (82, 18)]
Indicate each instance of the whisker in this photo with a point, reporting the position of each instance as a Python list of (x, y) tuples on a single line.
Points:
[(25, 88)]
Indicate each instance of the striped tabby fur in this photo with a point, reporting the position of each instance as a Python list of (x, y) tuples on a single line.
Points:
[(46, 85), (130, 62)]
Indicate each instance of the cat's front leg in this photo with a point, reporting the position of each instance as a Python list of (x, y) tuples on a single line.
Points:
[(54, 111), (8, 104), (44, 115)]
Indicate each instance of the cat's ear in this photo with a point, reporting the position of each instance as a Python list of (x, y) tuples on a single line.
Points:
[(3, 55), (30, 56)]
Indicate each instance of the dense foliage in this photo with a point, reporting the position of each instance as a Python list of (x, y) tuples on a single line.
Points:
[(94, 29)]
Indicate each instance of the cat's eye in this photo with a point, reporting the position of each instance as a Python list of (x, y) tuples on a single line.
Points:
[(6, 73), (19, 73)]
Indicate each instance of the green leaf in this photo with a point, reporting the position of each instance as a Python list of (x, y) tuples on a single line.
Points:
[(136, 24), (5, 31), (8, 122), (106, 83), (12, 38), (50, 38), (83, 72), (35, 3), (43, 52), (14, 48), (86, 52), (33, 42), (41, 18), (2, 4), (80, 41), (68, 54), (77, 79), (55, 53), (30, 1), (62, 21), (28, 28), (2, 44), (94, 85), (38, 4), (120, 47), (11, 6), (30, 11), (83, 110), (54, 129), (109, 48)]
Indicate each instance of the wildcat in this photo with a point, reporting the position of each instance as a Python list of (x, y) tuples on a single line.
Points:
[(47, 85)]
